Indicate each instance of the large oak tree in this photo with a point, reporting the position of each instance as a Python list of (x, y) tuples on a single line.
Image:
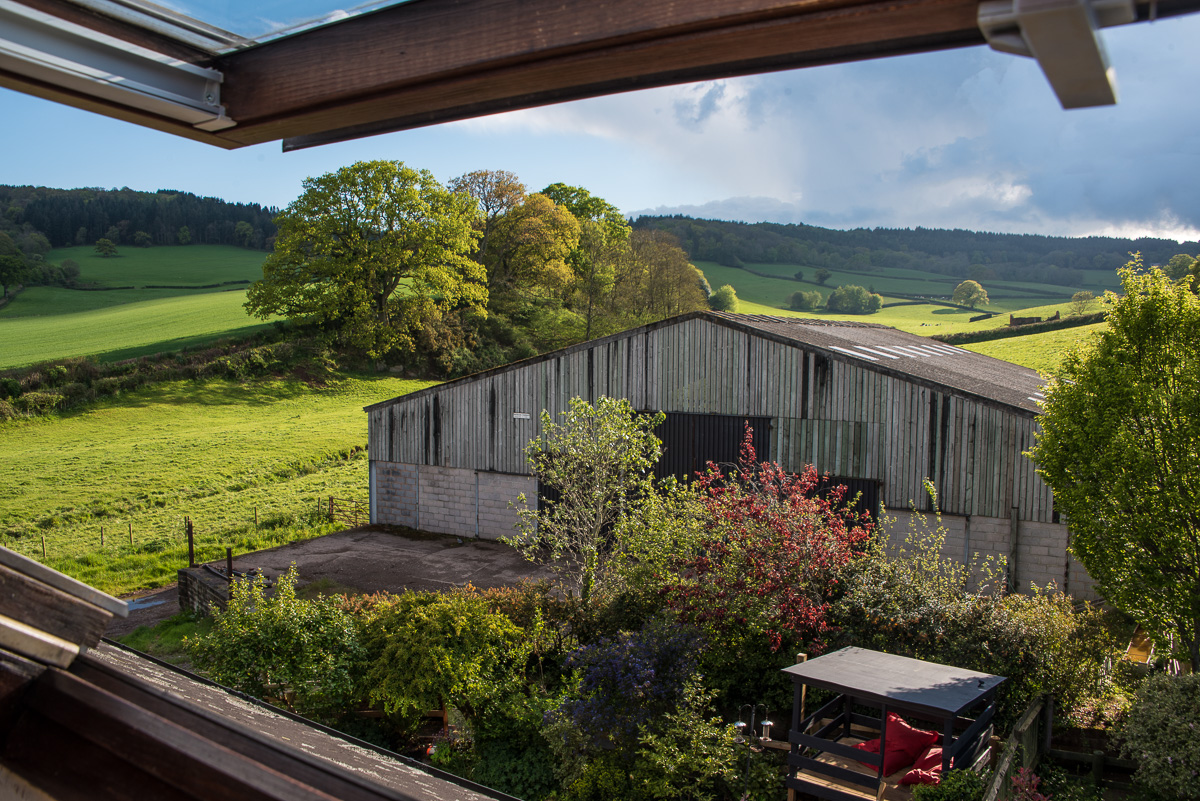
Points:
[(373, 251)]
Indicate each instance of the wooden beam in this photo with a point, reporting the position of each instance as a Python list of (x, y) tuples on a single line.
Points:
[(50, 610), (431, 61), (426, 62)]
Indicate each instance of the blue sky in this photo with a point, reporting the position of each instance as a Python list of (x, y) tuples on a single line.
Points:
[(960, 139)]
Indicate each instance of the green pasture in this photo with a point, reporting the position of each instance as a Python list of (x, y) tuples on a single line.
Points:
[(1043, 352), (85, 326), (184, 265), (211, 450)]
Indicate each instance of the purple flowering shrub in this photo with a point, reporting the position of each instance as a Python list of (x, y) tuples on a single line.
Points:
[(627, 680)]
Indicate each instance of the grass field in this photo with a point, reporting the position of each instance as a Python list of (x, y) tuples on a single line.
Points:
[(45, 323), (1043, 352), (190, 265), (213, 451), (151, 325)]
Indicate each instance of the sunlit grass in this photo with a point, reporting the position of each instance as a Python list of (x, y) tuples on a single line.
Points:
[(214, 451)]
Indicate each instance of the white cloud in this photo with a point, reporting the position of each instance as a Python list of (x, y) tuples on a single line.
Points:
[(968, 138)]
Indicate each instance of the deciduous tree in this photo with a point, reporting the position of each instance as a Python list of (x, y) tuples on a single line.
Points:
[(373, 251), (852, 299), (496, 192), (823, 275), (603, 236), (598, 463), (804, 301), (724, 299), (13, 267), (1081, 301), (1120, 447), (528, 248), (970, 293), (106, 247)]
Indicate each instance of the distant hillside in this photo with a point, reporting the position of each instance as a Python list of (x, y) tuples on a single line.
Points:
[(39, 218), (961, 254)]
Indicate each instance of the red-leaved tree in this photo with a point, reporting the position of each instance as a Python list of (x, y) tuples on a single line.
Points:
[(777, 544)]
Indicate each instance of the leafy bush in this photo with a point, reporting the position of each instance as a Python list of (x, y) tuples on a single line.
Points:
[(772, 556), (627, 680), (915, 602), (306, 653), (957, 785), (724, 299), (804, 301), (1163, 735), (429, 648), (689, 754)]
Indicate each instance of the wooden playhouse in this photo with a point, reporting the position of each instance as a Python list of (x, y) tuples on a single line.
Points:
[(831, 749)]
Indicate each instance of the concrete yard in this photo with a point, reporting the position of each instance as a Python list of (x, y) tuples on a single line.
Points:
[(363, 560)]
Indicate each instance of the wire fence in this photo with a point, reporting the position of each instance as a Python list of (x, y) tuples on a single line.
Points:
[(157, 532)]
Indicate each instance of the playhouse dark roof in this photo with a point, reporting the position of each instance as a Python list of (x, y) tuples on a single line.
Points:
[(897, 680), (877, 347)]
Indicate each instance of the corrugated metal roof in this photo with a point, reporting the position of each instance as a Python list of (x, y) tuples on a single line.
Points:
[(892, 350), (878, 347)]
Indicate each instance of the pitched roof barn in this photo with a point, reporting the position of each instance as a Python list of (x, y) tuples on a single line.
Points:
[(878, 409)]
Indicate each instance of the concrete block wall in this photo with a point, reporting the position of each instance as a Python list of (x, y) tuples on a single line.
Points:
[(447, 500), (201, 592), (1041, 556), (394, 494)]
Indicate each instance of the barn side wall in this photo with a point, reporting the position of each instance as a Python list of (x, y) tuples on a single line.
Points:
[(840, 415), (447, 500), (1040, 554)]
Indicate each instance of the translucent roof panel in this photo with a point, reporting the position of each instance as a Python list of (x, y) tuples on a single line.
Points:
[(225, 25)]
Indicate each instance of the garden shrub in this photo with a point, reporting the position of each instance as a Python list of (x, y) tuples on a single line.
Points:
[(957, 785), (915, 602), (1162, 734), (686, 754), (429, 648), (306, 652), (627, 680)]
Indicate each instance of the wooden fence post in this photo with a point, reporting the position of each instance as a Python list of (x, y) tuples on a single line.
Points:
[(131, 532), (256, 517), (229, 564), (43, 546), (331, 508), (102, 536)]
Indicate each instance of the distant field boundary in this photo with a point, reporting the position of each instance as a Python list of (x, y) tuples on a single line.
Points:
[(1004, 332), (242, 282), (5, 301)]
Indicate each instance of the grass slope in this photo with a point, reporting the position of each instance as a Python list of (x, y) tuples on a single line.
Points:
[(1043, 352), (212, 451), (111, 332), (45, 323)]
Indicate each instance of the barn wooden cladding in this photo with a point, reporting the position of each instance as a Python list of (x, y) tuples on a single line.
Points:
[(431, 61), (939, 412)]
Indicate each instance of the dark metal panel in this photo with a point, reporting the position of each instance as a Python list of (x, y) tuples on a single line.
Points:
[(691, 441)]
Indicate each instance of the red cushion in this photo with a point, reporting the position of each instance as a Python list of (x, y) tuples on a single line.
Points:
[(928, 768), (870, 746), (904, 743)]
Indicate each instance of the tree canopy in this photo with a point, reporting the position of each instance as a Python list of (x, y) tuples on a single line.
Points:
[(970, 293), (13, 267), (1120, 448), (372, 251), (852, 299)]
